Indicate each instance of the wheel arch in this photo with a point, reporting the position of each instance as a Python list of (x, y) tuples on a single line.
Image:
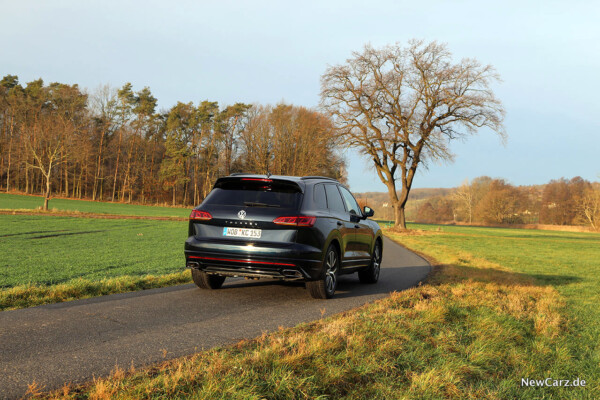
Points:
[(334, 241)]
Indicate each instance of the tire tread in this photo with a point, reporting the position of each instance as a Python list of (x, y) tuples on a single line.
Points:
[(206, 281)]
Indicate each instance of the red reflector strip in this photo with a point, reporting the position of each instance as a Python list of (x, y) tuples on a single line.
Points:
[(257, 179), (242, 261)]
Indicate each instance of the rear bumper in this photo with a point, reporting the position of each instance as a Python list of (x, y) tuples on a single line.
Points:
[(256, 260)]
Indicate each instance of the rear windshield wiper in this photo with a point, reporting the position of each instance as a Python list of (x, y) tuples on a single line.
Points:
[(253, 204)]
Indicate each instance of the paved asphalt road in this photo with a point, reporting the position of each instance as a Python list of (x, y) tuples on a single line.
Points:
[(77, 340)]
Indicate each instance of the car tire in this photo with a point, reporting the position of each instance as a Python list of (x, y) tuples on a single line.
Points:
[(206, 281), (324, 288), (371, 273)]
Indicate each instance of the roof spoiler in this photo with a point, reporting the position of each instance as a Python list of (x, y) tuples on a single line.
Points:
[(259, 181)]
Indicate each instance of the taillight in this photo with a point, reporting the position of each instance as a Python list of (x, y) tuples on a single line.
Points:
[(296, 220), (198, 215)]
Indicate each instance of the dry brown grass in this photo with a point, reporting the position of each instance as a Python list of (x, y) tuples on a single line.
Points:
[(543, 227)]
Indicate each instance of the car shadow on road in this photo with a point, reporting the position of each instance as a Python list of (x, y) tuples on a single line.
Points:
[(391, 279)]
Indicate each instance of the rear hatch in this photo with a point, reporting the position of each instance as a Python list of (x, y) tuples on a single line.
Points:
[(242, 210)]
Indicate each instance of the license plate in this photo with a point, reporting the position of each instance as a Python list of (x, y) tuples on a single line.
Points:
[(242, 232)]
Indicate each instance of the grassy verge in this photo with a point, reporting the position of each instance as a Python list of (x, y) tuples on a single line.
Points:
[(22, 202), (473, 330), (566, 261), (50, 259), (33, 295)]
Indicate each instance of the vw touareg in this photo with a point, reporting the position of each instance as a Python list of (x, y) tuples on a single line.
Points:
[(291, 228)]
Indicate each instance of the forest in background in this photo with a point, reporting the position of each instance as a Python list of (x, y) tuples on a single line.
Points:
[(114, 145), (490, 201)]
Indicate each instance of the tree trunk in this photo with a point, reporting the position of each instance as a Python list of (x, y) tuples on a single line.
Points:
[(117, 165), (80, 183), (397, 203), (66, 179), (196, 202), (399, 216), (128, 170), (9, 155), (97, 177), (26, 180), (47, 195), (151, 175)]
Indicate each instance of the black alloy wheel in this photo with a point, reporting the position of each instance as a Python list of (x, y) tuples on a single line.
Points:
[(324, 288), (371, 274)]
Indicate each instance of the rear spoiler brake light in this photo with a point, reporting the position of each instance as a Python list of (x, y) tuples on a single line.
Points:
[(257, 179)]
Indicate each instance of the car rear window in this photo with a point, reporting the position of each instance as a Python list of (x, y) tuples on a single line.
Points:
[(255, 193)]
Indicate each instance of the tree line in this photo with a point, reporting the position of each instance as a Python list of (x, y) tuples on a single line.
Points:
[(114, 145), (495, 201)]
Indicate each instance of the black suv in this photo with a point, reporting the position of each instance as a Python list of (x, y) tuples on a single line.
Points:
[(293, 228)]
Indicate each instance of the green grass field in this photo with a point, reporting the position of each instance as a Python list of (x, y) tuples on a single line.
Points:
[(566, 261), (502, 305), (20, 202), (506, 304), (50, 252)]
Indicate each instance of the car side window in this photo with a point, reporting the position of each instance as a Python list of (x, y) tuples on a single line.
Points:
[(319, 197), (350, 201), (334, 200)]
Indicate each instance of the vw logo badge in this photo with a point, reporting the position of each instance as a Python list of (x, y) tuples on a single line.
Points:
[(242, 214)]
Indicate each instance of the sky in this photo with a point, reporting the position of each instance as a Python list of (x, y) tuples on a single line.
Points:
[(547, 53)]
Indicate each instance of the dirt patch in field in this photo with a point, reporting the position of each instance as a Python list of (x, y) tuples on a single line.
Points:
[(412, 232), (543, 227), (87, 215)]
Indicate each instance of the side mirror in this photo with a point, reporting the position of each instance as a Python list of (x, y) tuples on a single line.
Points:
[(368, 212)]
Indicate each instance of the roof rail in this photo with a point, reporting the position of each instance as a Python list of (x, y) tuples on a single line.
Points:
[(318, 177)]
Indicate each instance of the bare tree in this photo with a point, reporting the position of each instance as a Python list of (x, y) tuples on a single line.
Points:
[(46, 146), (403, 106), (500, 204), (103, 106), (289, 140), (232, 121), (589, 206), (464, 197)]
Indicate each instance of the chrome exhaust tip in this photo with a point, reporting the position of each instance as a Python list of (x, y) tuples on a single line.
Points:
[(291, 273)]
